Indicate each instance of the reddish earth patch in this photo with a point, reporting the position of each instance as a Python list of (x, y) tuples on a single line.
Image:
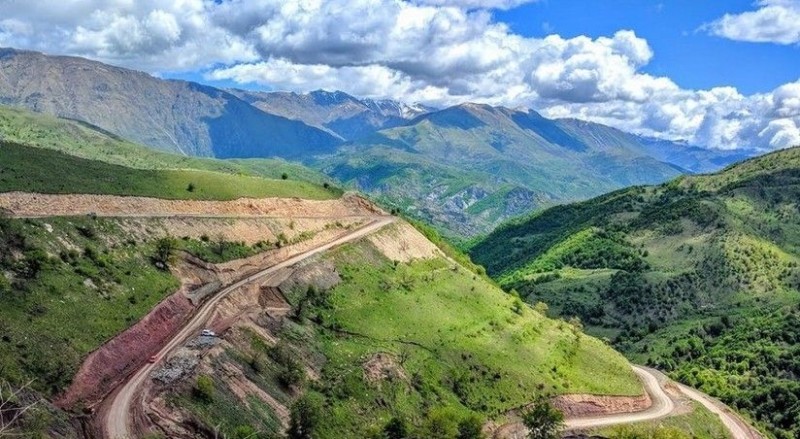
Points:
[(108, 366), (576, 406)]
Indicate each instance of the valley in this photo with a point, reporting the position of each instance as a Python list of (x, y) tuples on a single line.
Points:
[(310, 296), (184, 261), (697, 277)]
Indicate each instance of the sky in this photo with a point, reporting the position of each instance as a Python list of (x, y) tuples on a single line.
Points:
[(719, 74)]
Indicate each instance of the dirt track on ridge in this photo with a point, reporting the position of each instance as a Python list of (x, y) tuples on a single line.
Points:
[(23, 204)]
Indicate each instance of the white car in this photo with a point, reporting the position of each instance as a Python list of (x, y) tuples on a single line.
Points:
[(208, 333)]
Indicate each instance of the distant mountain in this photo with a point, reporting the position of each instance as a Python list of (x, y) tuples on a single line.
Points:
[(337, 112), (174, 116), (464, 168), (695, 159), (468, 167), (699, 277)]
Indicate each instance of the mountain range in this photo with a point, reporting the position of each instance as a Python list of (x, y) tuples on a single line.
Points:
[(465, 168)]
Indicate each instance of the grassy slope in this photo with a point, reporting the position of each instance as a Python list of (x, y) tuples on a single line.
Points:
[(85, 141), (699, 277), (464, 347), (25, 168), (67, 291)]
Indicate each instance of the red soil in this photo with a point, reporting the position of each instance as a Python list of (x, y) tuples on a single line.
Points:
[(108, 366)]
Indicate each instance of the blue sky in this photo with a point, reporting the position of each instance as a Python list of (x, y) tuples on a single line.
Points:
[(719, 74), (689, 56)]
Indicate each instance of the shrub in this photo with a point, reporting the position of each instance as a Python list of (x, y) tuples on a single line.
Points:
[(543, 420), (396, 428), (440, 424), (470, 428), (284, 176), (204, 388), (306, 416), (165, 252)]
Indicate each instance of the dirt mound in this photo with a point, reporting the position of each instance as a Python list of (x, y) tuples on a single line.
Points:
[(383, 367), (402, 242), (576, 406), (106, 367), (42, 205)]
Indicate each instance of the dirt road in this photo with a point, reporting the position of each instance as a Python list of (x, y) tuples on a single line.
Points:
[(118, 416), (663, 406), (738, 428)]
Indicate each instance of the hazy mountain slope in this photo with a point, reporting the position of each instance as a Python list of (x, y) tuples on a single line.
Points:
[(694, 158), (698, 276), (173, 116), (468, 167), (337, 112)]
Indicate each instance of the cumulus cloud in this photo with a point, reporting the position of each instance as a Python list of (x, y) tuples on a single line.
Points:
[(439, 52), (775, 21)]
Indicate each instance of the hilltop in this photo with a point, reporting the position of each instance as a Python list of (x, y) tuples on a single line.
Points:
[(698, 277)]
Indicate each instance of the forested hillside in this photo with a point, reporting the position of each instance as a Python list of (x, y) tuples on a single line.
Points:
[(698, 277)]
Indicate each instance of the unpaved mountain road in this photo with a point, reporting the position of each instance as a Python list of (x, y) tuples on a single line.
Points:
[(663, 406), (116, 416), (738, 427)]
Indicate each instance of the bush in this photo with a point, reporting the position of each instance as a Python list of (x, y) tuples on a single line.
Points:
[(543, 420), (470, 428), (204, 388), (165, 252), (396, 428), (306, 416), (440, 424)]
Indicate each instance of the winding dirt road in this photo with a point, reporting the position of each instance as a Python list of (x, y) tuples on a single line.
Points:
[(117, 422), (664, 406)]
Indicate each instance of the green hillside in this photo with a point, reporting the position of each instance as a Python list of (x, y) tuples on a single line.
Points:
[(25, 168), (466, 168), (698, 277), (454, 347), (89, 142)]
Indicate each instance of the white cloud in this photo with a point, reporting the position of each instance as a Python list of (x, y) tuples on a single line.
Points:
[(775, 21), (476, 4), (439, 52)]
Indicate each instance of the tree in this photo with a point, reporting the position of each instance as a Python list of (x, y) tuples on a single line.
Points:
[(165, 252), (543, 420), (12, 409), (190, 187), (284, 176), (440, 424), (306, 415), (396, 428), (470, 427)]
